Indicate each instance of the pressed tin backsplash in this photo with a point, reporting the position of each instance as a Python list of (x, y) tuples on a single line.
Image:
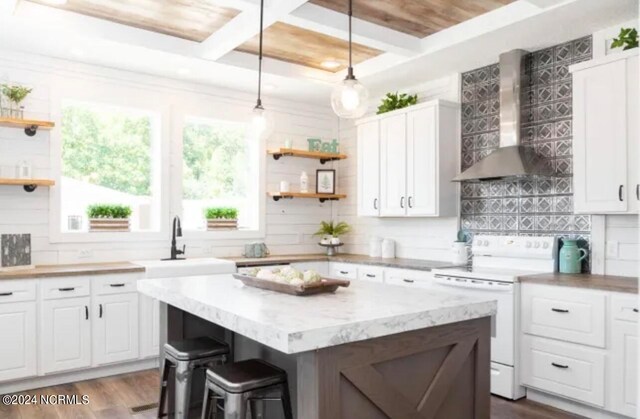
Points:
[(527, 206)]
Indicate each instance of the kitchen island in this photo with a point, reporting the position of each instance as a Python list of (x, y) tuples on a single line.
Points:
[(368, 351)]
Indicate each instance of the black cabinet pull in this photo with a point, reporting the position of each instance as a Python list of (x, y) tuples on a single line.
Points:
[(66, 289), (344, 272), (620, 193), (409, 202), (116, 285), (409, 281), (402, 202), (635, 310), (375, 203), (100, 315), (86, 313), (564, 367), (559, 310), (638, 191), (370, 276), (6, 294)]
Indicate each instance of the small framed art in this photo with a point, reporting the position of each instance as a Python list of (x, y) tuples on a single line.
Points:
[(326, 181)]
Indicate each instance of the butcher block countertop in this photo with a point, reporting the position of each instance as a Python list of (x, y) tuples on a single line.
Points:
[(417, 264), (599, 282), (50, 271)]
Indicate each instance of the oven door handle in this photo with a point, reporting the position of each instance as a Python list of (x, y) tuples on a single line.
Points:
[(473, 284)]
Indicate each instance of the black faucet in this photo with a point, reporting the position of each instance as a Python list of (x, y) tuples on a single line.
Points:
[(176, 232)]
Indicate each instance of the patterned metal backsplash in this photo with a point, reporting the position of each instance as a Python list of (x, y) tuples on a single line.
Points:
[(529, 206)]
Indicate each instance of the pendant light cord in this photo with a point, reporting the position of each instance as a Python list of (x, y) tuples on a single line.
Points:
[(260, 54), (350, 70)]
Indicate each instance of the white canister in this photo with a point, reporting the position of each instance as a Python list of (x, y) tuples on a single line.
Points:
[(23, 170), (335, 240), (285, 186), (388, 249), (459, 253), (288, 143), (375, 247), (304, 182)]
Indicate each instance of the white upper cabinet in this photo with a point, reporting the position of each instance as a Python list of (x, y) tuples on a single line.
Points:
[(369, 169), (605, 135), (414, 164)]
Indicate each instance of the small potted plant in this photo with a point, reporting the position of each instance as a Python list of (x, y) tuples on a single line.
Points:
[(15, 94), (393, 101), (221, 218), (108, 217), (330, 233)]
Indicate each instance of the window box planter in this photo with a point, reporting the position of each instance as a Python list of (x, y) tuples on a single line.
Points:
[(109, 224), (214, 224)]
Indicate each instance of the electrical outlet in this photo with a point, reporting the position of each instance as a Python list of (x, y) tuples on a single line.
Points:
[(612, 249), (85, 254)]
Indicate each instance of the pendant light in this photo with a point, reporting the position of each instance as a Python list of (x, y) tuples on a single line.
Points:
[(349, 99), (259, 117)]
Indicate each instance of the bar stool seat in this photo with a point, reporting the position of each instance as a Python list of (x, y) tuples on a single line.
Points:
[(246, 375), (196, 348)]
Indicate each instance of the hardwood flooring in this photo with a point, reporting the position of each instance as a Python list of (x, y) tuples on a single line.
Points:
[(114, 397)]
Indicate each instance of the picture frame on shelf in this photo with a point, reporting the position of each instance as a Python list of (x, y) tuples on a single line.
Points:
[(326, 181)]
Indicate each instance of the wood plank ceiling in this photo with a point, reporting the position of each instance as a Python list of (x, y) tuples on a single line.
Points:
[(194, 20), (419, 18), (308, 48)]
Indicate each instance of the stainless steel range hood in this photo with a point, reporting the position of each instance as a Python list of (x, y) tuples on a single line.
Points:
[(511, 160)]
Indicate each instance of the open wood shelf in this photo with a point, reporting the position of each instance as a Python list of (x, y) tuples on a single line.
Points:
[(30, 126), (321, 196), (318, 155), (29, 185)]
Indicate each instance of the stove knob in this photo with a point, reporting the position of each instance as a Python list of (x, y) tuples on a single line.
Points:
[(536, 245), (486, 243), (545, 245), (528, 245)]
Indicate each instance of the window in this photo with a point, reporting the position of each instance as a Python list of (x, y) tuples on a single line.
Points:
[(110, 155), (220, 166)]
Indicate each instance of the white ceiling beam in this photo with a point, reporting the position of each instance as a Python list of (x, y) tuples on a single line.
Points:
[(7, 7), (244, 27), (330, 22)]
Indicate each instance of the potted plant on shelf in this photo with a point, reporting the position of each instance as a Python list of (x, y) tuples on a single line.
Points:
[(15, 94), (330, 233), (108, 217), (393, 101), (221, 218)]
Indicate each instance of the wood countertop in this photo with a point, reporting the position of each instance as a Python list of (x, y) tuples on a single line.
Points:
[(416, 264), (49, 271), (600, 282)]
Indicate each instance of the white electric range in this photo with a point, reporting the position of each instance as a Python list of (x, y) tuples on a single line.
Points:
[(498, 262)]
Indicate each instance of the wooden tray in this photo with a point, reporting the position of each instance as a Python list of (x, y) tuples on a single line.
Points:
[(325, 285)]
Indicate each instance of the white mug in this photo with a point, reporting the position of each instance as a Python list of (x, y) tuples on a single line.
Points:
[(285, 186), (288, 143), (459, 253)]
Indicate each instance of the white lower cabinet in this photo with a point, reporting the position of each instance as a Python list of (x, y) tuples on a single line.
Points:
[(115, 328), (343, 270), (371, 273), (65, 331), (408, 278), (18, 347), (149, 326), (624, 361)]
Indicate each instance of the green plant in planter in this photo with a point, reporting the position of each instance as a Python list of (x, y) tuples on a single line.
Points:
[(226, 213), (109, 211), (15, 94), (393, 101), (627, 39), (332, 229)]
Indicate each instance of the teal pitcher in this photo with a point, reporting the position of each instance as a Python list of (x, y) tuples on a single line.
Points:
[(571, 257)]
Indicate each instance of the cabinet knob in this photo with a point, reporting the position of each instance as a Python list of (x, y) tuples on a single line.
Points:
[(620, 193), (409, 202), (375, 204), (6, 294), (638, 191), (402, 202), (100, 315), (86, 312), (559, 310), (564, 367)]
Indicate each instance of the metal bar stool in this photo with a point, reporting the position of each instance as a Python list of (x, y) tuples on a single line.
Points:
[(252, 381), (185, 356)]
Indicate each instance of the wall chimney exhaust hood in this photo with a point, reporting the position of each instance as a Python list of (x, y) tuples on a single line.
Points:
[(512, 159)]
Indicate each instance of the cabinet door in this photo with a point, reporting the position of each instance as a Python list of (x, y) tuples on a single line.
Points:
[(633, 134), (66, 334), (18, 348), (149, 326), (369, 169), (624, 348), (422, 157), (393, 163), (115, 328), (600, 139)]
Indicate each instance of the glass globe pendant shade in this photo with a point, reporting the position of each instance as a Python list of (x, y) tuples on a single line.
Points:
[(349, 99), (261, 124)]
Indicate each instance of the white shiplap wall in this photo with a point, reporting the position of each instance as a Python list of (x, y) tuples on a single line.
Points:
[(289, 224), (419, 238), (623, 230)]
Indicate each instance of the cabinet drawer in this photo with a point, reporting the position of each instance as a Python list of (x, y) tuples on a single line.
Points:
[(371, 273), (625, 307), (408, 278), (564, 369), (344, 271), (77, 286), (564, 313), (114, 284), (17, 291)]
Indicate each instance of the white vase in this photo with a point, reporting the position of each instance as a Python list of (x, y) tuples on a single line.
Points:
[(285, 186), (375, 247), (388, 249), (304, 182), (335, 240)]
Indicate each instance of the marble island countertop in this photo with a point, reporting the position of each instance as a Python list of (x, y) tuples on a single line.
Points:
[(290, 324)]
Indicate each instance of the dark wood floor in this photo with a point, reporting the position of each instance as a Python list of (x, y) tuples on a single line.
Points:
[(115, 397)]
